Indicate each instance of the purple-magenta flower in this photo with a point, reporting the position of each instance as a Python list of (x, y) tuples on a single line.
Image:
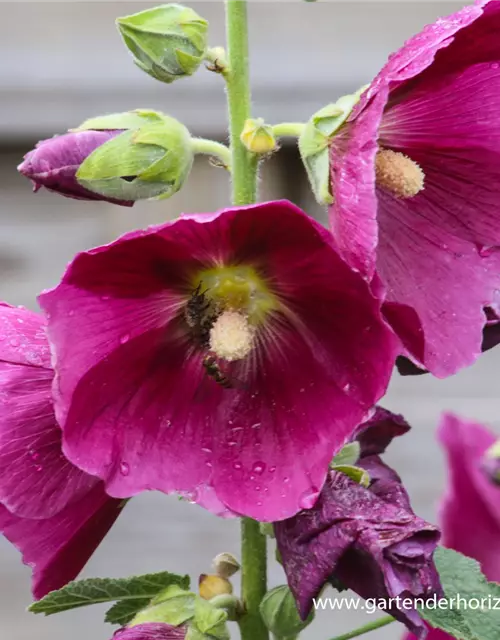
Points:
[(415, 174), (470, 510), (213, 353), (53, 163), (369, 539), (151, 631), (55, 514)]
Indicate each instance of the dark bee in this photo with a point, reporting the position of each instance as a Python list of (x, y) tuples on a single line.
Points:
[(213, 369), (200, 316)]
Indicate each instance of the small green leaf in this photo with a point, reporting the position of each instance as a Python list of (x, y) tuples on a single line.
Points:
[(348, 455), (471, 608), (83, 593), (359, 475), (123, 611)]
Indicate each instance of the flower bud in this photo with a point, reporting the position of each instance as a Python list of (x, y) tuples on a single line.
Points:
[(53, 164), (152, 161), (226, 565), (168, 42), (315, 140), (211, 586), (280, 615), (258, 137)]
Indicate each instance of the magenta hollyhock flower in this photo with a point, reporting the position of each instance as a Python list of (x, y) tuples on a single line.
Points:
[(470, 511), (55, 514), (53, 163), (415, 174), (368, 539), (225, 356), (151, 631)]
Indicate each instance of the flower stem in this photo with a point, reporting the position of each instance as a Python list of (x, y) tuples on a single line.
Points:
[(212, 148), (253, 580), (371, 626), (288, 129), (244, 164)]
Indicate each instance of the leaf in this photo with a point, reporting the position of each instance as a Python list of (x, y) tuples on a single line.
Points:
[(124, 611), (82, 593), (348, 455), (471, 607)]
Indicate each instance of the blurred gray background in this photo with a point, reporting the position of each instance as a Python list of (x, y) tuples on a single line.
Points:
[(61, 62)]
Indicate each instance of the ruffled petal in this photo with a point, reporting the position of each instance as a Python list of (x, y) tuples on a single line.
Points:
[(58, 548), (437, 286), (156, 421), (470, 512), (36, 480)]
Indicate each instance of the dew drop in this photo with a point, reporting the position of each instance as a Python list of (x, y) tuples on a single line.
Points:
[(104, 298), (167, 424), (38, 468), (308, 498), (257, 487), (495, 65), (34, 455), (125, 338), (20, 320), (14, 342), (346, 388), (256, 425), (206, 450), (124, 468), (302, 390), (237, 465), (232, 443), (259, 468), (71, 312), (272, 469)]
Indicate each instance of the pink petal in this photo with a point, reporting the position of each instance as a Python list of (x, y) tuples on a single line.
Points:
[(36, 480), (136, 406), (437, 286), (151, 631), (470, 513), (58, 548)]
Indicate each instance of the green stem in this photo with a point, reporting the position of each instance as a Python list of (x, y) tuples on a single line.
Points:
[(253, 580), (288, 129), (212, 148), (371, 626), (244, 164)]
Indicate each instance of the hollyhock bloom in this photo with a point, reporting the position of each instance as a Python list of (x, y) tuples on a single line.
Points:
[(470, 511), (55, 514), (151, 631), (213, 353), (415, 174), (369, 539), (53, 163)]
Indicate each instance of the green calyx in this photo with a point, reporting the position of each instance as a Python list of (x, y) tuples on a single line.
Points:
[(345, 462), (152, 159), (167, 42), (315, 139), (280, 615), (176, 607)]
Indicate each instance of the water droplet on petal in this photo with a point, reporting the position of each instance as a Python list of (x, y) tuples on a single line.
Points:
[(124, 468), (34, 455), (104, 298), (38, 468), (495, 65), (256, 425), (71, 312), (272, 469), (259, 468), (286, 480), (20, 320), (14, 342), (125, 338), (308, 498), (237, 465), (206, 450), (346, 388)]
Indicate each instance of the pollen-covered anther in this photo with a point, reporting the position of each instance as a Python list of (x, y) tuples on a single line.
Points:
[(397, 173), (231, 336)]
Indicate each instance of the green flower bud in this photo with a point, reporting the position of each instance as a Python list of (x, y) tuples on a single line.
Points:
[(258, 137), (280, 615), (315, 140), (151, 161), (225, 565), (167, 42), (172, 606)]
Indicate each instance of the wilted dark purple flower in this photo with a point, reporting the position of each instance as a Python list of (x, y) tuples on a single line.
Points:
[(369, 539), (53, 163), (151, 631)]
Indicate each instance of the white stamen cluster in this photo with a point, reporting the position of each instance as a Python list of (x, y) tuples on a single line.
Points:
[(231, 336)]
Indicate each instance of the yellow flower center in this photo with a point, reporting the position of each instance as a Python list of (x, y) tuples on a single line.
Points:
[(397, 173), (236, 300)]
